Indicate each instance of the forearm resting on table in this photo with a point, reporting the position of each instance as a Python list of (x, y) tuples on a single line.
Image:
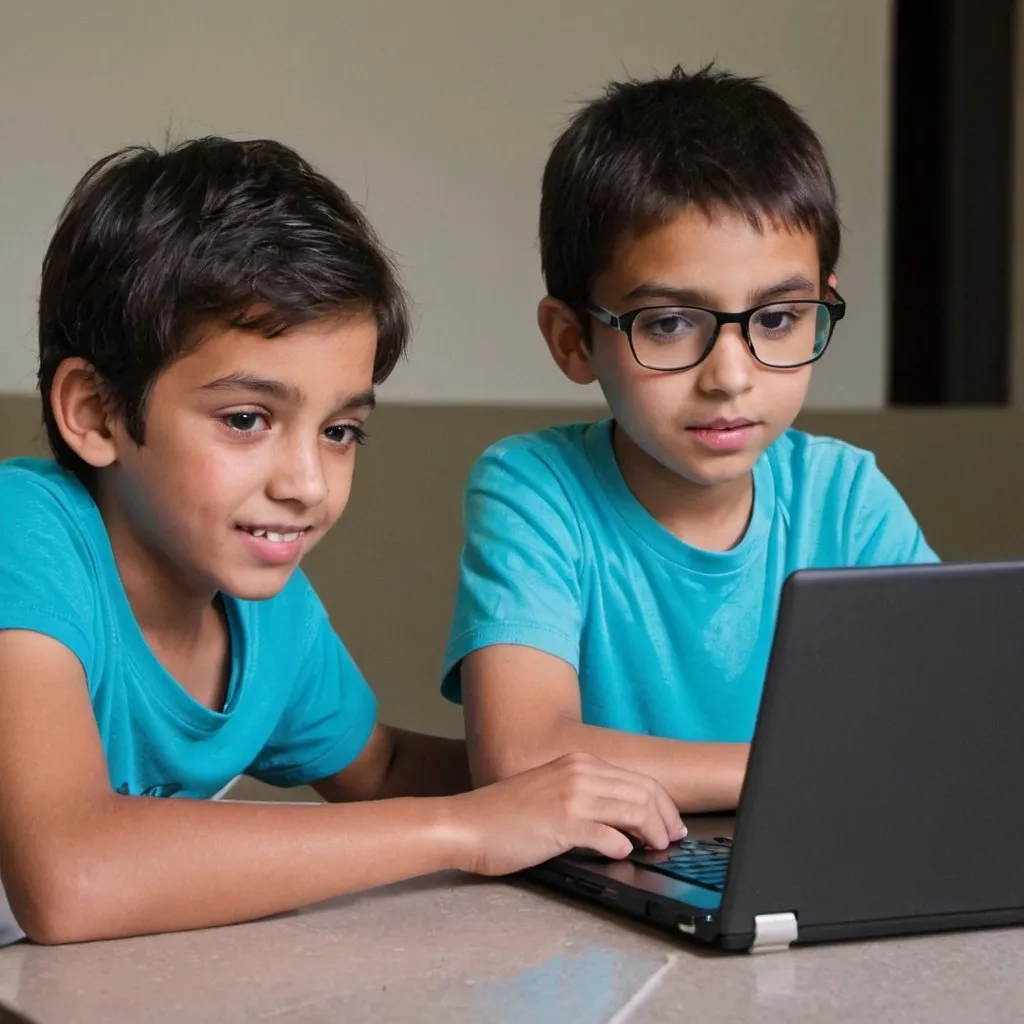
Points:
[(698, 776), (523, 708), (136, 865), (80, 862)]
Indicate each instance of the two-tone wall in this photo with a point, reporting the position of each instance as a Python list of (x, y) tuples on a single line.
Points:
[(438, 117)]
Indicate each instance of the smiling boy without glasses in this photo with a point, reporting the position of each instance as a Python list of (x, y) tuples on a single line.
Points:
[(213, 321)]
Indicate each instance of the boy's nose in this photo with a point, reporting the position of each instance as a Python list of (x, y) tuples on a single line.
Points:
[(299, 475), (729, 368)]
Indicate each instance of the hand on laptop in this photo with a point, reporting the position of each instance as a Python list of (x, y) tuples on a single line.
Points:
[(574, 801)]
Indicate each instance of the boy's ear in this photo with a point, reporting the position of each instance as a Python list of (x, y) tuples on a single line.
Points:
[(81, 409), (833, 282), (566, 340)]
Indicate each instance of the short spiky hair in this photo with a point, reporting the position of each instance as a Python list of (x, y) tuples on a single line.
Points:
[(628, 160), (154, 246)]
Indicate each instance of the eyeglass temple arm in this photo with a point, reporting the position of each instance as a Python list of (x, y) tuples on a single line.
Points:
[(604, 316)]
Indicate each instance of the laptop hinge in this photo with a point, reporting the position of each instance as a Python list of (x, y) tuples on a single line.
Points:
[(773, 933)]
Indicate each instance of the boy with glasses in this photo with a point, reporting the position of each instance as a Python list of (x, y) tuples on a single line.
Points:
[(620, 579)]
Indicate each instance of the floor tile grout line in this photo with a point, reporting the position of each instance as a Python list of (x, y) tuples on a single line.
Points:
[(644, 992)]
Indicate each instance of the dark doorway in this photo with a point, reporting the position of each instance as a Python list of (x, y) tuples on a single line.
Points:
[(952, 202)]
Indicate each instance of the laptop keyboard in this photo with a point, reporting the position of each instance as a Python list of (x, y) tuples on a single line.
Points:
[(703, 862)]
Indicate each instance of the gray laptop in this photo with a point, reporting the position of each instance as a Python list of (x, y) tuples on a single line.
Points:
[(883, 794)]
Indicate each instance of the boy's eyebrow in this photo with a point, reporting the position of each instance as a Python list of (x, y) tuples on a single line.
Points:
[(695, 297), (796, 283), (284, 392), (360, 400), (250, 382)]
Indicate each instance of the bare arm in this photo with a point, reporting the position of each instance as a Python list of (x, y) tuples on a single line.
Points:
[(401, 763), (523, 708), (80, 862)]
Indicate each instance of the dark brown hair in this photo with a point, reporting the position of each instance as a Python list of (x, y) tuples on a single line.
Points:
[(153, 246), (628, 160)]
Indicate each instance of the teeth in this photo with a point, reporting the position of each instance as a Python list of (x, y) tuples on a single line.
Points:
[(277, 538)]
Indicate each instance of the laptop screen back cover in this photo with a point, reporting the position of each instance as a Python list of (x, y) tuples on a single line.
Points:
[(884, 791)]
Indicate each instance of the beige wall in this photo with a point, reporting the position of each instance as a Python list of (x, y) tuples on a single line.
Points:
[(439, 116), (388, 572)]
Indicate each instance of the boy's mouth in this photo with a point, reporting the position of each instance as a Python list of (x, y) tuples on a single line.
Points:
[(722, 424), (723, 435), (274, 544), (277, 533)]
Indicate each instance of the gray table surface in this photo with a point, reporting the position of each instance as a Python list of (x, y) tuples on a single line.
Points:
[(452, 948)]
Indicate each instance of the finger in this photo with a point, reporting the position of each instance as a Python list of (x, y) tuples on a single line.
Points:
[(664, 804), (646, 819), (661, 823), (654, 831), (669, 814), (592, 835), (637, 819)]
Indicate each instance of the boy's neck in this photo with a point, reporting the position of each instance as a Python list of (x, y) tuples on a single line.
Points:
[(184, 626), (712, 518)]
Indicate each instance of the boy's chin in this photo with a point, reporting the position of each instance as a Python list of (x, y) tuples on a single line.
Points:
[(719, 471), (257, 586)]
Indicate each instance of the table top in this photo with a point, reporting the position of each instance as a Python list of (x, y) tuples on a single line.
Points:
[(454, 948)]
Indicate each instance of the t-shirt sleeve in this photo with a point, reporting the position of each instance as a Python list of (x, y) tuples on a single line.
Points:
[(48, 576), (883, 530), (329, 719), (519, 580)]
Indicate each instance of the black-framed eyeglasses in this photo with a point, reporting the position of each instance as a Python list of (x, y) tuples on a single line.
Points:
[(781, 335)]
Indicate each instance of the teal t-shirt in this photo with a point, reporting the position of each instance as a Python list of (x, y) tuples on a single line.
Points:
[(667, 639), (297, 709)]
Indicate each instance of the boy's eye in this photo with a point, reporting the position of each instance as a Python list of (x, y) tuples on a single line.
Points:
[(245, 422), (344, 434), (774, 321), (666, 324), (670, 325)]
